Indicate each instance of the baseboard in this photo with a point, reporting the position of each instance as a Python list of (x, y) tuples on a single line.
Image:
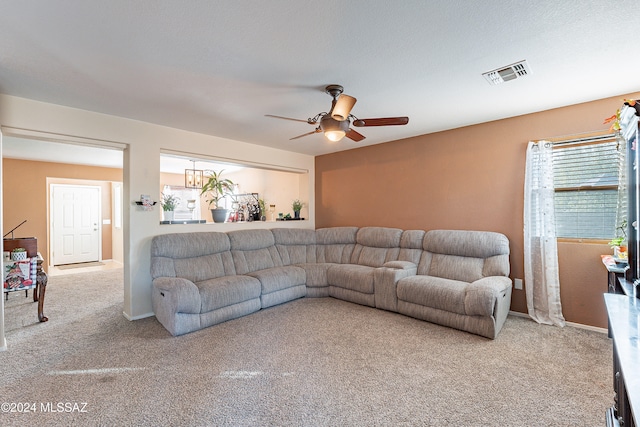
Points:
[(588, 327), (141, 316), (517, 314), (572, 324)]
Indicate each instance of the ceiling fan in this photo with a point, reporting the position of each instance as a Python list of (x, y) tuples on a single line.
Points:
[(336, 124)]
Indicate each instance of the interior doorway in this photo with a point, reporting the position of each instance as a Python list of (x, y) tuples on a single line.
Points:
[(75, 224)]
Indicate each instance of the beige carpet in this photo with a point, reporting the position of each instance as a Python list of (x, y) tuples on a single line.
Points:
[(309, 362)]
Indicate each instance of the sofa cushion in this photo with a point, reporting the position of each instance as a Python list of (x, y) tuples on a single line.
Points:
[(464, 255), (189, 245), (245, 240), (253, 250), (348, 276), (475, 244), (376, 245), (196, 251), (228, 290), (278, 278), (435, 292), (335, 245), (316, 274), (204, 267), (295, 246), (411, 245), (456, 267)]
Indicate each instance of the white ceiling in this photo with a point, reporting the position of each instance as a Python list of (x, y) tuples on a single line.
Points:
[(217, 67)]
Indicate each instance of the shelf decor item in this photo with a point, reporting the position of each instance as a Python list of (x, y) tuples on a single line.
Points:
[(619, 243), (145, 202), (169, 204), (297, 207), (18, 254), (263, 209), (216, 189)]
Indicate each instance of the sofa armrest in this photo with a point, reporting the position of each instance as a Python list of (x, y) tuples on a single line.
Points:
[(385, 281), (482, 295), (181, 295), (400, 265)]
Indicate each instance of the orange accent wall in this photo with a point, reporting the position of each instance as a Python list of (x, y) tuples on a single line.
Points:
[(25, 196), (468, 178)]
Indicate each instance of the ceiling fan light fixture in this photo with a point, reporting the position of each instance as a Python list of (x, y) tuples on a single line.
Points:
[(343, 107), (334, 135), (334, 130)]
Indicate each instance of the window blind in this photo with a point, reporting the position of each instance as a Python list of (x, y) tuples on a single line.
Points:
[(587, 176)]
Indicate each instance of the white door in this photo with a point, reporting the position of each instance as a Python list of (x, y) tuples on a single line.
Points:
[(75, 224)]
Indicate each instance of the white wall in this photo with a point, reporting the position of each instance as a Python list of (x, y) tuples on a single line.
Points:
[(141, 175)]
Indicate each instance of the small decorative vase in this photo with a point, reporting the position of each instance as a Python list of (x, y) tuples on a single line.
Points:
[(296, 214), (168, 215), (18, 256)]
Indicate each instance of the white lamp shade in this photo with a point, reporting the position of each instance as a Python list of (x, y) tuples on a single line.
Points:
[(335, 135)]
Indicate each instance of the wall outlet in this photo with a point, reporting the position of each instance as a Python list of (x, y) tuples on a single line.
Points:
[(517, 284)]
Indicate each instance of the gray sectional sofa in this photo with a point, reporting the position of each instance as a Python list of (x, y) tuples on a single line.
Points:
[(453, 278)]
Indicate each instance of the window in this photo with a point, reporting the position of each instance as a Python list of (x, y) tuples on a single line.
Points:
[(587, 184)]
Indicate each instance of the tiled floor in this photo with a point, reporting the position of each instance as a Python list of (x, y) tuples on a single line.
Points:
[(108, 265)]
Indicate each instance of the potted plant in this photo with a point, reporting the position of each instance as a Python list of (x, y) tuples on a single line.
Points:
[(215, 189), (263, 209), (169, 203), (18, 254), (297, 207), (618, 243)]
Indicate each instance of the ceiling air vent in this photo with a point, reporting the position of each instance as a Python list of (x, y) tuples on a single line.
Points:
[(510, 72)]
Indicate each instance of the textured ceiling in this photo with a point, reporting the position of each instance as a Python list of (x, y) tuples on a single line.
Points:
[(217, 67)]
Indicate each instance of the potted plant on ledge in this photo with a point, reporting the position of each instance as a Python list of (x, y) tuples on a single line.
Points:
[(169, 203), (619, 244), (297, 207), (216, 188)]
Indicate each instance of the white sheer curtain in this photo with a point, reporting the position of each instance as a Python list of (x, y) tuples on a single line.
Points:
[(542, 283)]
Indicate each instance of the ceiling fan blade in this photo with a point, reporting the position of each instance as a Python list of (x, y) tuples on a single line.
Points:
[(306, 134), (382, 121), (352, 134), (289, 118)]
